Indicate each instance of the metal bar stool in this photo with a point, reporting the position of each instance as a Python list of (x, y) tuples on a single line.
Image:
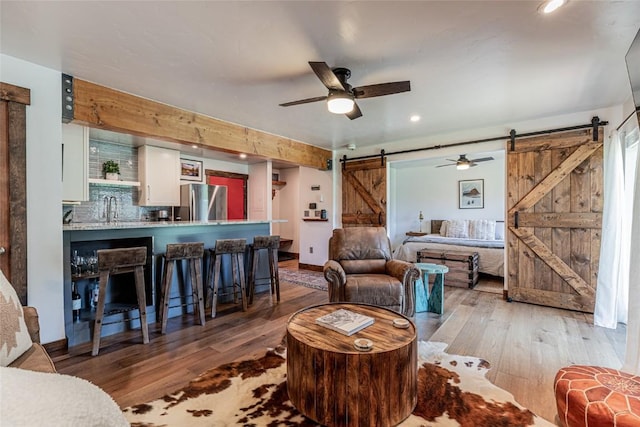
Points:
[(192, 253), (271, 244), (235, 248), (117, 261)]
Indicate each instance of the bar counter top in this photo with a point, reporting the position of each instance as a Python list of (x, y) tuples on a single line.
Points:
[(84, 226)]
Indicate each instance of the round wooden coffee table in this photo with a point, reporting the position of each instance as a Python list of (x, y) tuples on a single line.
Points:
[(334, 384)]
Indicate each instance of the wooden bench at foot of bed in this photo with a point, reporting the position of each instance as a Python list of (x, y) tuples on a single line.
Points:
[(463, 265)]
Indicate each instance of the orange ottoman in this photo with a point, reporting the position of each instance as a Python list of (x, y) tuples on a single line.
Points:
[(591, 396)]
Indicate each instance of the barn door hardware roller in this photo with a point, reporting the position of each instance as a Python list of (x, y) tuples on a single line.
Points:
[(595, 124)]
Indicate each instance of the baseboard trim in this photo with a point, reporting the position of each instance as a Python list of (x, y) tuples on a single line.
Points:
[(310, 267), (53, 346)]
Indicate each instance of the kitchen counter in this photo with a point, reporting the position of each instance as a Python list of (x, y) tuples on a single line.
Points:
[(115, 225), (87, 237)]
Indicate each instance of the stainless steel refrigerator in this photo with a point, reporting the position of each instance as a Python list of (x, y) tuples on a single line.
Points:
[(203, 202)]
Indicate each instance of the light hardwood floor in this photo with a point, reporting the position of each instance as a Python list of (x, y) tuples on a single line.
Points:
[(525, 344)]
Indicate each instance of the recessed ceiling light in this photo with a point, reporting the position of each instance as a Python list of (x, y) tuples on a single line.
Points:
[(551, 6), (242, 156), (415, 118), (194, 146)]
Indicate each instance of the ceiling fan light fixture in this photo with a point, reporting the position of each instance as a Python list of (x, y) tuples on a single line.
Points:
[(550, 6), (340, 102), (462, 166)]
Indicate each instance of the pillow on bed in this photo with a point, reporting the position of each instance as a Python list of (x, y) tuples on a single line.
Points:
[(482, 229), (458, 228), (499, 230), (443, 228)]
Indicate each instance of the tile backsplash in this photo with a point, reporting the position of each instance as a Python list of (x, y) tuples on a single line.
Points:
[(127, 197)]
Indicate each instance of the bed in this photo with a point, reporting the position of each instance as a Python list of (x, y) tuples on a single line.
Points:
[(490, 250)]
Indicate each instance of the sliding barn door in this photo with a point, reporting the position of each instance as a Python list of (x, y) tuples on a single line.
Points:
[(364, 194), (13, 189), (554, 209)]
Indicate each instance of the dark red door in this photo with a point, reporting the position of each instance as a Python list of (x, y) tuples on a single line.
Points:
[(235, 195)]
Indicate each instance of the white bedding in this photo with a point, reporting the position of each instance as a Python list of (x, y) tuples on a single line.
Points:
[(490, 260)]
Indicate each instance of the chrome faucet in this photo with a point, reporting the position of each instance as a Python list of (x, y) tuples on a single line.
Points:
[(107, 208)]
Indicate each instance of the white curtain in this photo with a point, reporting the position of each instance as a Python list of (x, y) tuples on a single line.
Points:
[(632, 354), (612, 293)]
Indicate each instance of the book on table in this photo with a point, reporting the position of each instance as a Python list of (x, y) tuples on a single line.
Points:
[(344, 321)]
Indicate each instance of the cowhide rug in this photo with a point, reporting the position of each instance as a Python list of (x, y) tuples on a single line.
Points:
[(452, 391)]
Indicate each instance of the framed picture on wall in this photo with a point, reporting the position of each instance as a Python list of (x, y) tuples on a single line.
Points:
[(471, 194), (190, 170)]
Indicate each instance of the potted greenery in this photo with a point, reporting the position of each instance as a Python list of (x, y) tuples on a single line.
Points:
[(111, 170)]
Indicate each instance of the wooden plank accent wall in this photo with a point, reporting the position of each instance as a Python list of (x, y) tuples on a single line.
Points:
[(101, 107), (13, 189)]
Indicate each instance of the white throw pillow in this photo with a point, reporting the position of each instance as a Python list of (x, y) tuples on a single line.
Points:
[(14, 336), (499, 230), (458, 228), (482, 229), (443, 228)]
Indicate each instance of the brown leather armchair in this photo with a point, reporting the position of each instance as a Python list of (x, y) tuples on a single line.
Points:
[(360, 269)]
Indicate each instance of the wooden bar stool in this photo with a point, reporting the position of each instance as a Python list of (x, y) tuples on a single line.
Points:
[(235, 248), (271, 244), (192, 253), (117, 261)]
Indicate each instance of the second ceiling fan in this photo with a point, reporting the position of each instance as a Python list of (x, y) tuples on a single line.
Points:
[(464, 163), (341, 97)]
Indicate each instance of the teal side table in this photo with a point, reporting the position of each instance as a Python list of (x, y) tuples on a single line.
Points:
[(435, 297)]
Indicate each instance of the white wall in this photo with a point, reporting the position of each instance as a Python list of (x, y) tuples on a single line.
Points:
[(315, 234), (221, 165), (288, 200), (44, 191)]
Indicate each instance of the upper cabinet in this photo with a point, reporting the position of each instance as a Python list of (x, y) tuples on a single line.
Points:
[(75, 163), (159, 174)]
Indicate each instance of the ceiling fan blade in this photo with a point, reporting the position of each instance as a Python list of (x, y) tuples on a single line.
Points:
[(355, 113), (304, 101), (484, 159), (327, 76), (381, 89), (441, 166)]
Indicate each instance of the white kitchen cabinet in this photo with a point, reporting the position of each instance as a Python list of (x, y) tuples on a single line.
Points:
[(75, 163), (159, 175)]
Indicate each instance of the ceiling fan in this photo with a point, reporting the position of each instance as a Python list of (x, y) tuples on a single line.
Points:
[(464, 163), (341, 97)]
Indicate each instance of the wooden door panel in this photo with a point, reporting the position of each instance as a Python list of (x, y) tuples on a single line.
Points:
[(5, 235), (364, 192), (555, 200), (542, 162), (13, 196)]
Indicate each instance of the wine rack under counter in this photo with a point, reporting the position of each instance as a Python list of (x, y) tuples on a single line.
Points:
[(120, 297)]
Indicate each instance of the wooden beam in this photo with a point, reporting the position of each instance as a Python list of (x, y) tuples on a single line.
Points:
[(365, 164), (13, 93), (558, 174), (568, 275), (555, 140), (563, 220), (101, 107), (553, 299)]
